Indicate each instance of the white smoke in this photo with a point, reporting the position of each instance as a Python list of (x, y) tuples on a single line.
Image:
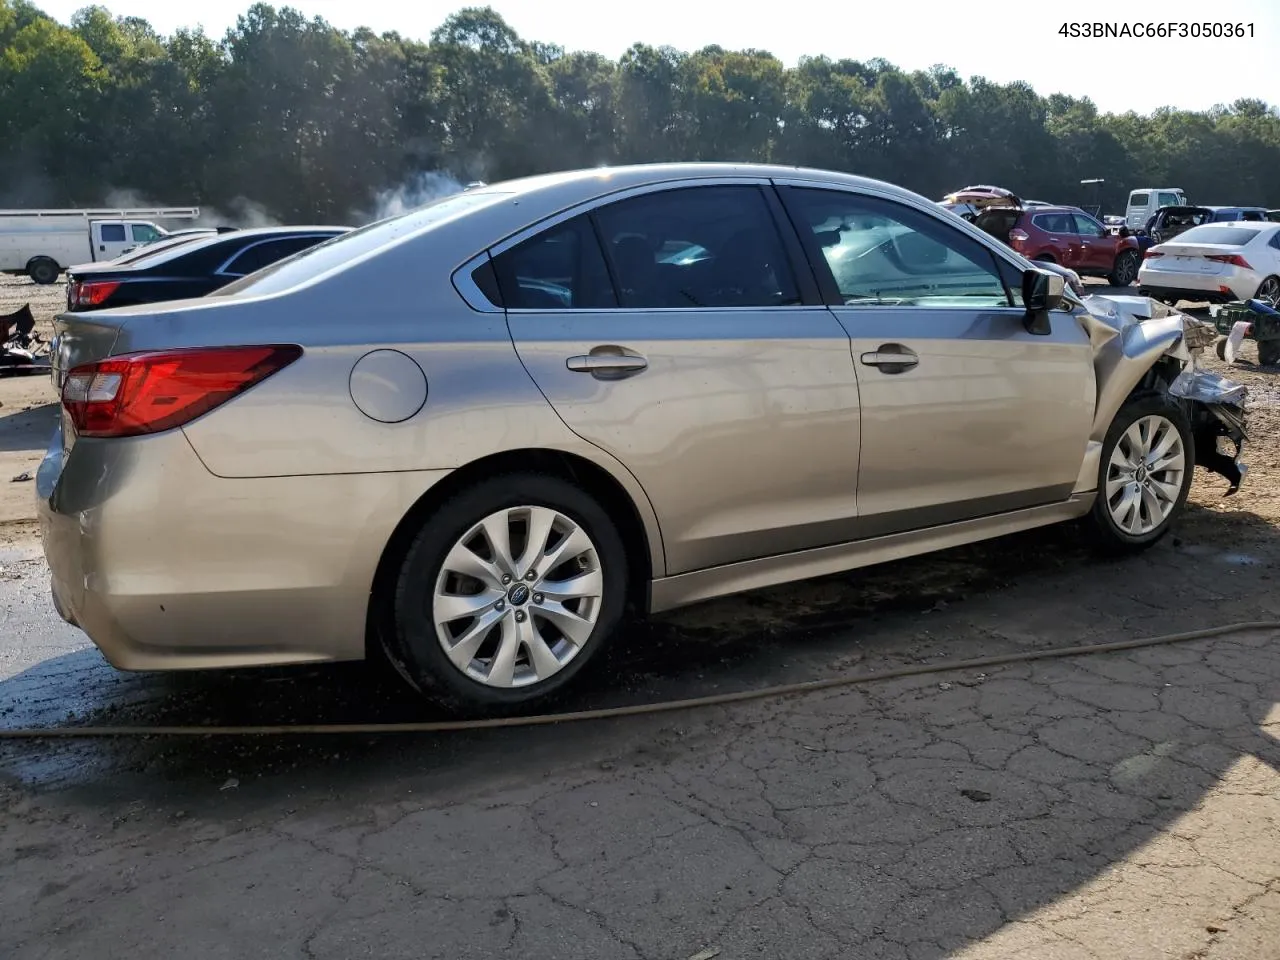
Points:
[(418, 190), (241, 212)]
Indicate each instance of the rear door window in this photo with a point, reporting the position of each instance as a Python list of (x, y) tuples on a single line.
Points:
[(561, 268), (713, 246), (1139, 199), (112, 232)]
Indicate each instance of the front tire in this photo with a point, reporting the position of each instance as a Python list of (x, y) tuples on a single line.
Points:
[(1148, 461), (1125, 270), (507, 593)]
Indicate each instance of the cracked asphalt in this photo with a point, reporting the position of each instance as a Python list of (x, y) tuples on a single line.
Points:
[(1117, 805), (1120, 804)]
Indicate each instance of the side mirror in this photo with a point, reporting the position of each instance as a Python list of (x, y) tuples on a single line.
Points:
[(1042, 291), (1124, 231)]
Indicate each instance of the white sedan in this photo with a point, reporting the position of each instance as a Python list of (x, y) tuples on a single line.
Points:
[(1215, 263)]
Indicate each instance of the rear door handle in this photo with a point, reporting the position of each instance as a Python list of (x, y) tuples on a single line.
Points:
[(891, 358)]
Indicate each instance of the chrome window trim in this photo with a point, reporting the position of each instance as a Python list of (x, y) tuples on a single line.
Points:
[(467, 288)]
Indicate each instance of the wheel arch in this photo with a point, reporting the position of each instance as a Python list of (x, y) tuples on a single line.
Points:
[(622, 498)]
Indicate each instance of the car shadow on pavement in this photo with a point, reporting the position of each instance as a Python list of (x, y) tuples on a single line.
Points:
[(26, 429)]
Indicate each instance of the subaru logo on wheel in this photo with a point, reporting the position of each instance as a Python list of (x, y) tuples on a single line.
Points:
[(518, 594)]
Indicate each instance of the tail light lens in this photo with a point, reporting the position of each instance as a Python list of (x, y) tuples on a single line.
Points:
[(1151, 254), (142, 393), (1017, 235), (90, 293), (1234, 259)]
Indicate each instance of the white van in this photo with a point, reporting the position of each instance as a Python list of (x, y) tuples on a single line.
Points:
[(43, 243), (1144, 202)]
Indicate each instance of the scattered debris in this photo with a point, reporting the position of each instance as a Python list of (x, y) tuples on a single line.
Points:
[(977, 796), (231, 784), (22, 477), (706, 954)]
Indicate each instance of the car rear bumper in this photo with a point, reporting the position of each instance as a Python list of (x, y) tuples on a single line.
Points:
[(167, 567), (1231, 284)]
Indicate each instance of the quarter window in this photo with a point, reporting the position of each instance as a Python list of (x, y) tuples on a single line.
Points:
[(714, 246), (882, 253)]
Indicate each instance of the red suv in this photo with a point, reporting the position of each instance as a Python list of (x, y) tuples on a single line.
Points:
[(1066, 236)]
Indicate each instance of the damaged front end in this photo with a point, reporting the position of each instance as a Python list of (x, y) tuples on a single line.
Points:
[(1142, 346)]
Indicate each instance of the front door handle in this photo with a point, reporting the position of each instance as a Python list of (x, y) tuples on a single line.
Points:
[(891, 358), (608, 364)]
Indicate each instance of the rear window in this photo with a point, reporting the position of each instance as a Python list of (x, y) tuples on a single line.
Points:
[(1211, 233), (1139, 199), (326, 256)]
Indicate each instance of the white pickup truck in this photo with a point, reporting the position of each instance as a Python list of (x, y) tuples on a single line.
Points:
[(43, 243)]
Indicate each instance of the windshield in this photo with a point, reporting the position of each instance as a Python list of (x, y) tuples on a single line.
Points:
[(1227, 236), (323, 257)]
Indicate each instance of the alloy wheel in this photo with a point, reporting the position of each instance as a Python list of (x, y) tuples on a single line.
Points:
[(1269, 291), (1145, 475), (518, 596)]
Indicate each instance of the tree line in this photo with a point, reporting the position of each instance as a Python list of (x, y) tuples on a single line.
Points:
[(290, 118)]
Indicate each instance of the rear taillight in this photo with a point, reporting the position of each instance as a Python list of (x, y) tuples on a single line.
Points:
[(1151, 254), (90, 294), (1234, 259), (142, 393), (1018, 236)]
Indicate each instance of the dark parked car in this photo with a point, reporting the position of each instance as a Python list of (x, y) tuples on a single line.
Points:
[(1168, 222), (1066, 236), (192, 269)]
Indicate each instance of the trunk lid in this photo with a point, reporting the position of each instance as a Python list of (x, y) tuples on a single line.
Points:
[(1194, 257)]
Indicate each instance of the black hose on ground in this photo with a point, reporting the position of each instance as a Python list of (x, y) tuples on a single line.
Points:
[(642, 709)]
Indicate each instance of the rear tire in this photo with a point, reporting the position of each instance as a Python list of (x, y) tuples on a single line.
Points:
[(1125, 270), (1145, 473), (509, 591), (43, 270), (1269, 291), (1045, 258), (1268, 353)]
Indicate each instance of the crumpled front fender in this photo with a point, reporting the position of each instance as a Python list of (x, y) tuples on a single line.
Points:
[(1131, 335)]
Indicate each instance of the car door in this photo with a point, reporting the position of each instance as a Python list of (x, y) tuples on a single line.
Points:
[(680, 330), (1061, 234), (964, 413), (1097, 246), (109, 239)]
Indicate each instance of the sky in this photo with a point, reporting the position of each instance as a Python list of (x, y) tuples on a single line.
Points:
[(997, 39)]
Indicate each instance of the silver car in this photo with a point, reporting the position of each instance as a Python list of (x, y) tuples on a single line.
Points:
[(476, 435)]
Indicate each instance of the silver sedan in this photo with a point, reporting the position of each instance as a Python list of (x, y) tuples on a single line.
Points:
[(475, 436)]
